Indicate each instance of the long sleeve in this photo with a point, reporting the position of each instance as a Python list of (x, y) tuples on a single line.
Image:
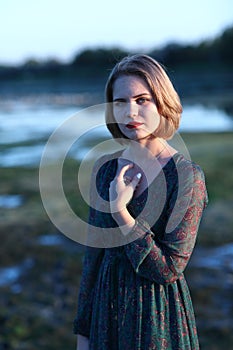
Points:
[(163, 258), (92, 260)]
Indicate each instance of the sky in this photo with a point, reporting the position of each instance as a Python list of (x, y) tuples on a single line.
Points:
[(49, 29)]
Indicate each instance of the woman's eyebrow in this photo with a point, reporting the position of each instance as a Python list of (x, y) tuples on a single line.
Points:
[(136, 96), (119, 99), (142, 94)]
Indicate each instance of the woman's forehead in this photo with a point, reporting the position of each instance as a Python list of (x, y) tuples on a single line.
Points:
[(130, 85)]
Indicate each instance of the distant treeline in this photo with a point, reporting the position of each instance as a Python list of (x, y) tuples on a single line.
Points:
[(92, 65)]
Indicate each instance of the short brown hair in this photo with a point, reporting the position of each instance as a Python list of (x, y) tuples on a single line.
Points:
[(162, 90)]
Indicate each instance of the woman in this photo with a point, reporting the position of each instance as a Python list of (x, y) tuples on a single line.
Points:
[(146, 204)]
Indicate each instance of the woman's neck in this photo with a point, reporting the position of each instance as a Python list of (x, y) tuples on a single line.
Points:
[(148, 149)]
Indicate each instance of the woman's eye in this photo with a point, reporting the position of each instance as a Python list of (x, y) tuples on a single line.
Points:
[(118, 103), (142, 100)]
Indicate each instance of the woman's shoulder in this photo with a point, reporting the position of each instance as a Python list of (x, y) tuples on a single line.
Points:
[(193, 176), (184, 172), (187, 164)]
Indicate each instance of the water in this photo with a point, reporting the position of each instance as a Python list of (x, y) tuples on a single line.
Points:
[(25, 128), (10, 275), (218, 258), (10, 201), (198, 118), (56, 240)]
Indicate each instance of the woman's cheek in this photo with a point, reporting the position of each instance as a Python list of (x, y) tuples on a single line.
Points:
[(153, 122)]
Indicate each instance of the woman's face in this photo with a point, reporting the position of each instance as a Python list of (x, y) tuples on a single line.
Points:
[(134, 108)]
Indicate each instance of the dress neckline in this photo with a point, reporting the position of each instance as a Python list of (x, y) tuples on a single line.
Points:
[(166, 165)]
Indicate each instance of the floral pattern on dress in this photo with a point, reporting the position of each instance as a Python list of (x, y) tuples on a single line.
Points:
[(135, 296)]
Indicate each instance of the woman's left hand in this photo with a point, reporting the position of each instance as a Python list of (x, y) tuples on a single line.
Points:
[(122, 189)]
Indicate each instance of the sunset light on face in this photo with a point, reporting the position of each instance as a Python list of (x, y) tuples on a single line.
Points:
[(134, 108)]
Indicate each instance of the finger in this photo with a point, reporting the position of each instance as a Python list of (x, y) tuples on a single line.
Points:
[(136, 180), (123, 171)]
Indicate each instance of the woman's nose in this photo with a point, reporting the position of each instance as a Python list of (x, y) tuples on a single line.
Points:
[(131, 110)]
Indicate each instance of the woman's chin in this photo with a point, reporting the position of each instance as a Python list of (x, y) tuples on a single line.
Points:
[(135, 134)]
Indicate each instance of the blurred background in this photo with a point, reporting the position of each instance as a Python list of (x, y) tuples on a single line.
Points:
[(54, 61)]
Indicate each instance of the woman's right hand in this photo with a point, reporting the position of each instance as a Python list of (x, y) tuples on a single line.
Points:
[(82, 342)]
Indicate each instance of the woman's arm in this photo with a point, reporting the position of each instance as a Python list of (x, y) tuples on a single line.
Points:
[(164, 259)]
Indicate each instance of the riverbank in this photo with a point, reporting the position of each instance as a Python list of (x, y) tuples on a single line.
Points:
[(40, 268)]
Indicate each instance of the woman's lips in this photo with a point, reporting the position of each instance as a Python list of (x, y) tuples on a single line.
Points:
[(133, 125)]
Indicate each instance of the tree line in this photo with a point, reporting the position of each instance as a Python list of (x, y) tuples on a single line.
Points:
[(95, 63)]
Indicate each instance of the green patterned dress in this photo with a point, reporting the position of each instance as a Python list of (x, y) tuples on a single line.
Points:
[(134, 296)]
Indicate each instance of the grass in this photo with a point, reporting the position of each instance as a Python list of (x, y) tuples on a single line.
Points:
[(213, 152)]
